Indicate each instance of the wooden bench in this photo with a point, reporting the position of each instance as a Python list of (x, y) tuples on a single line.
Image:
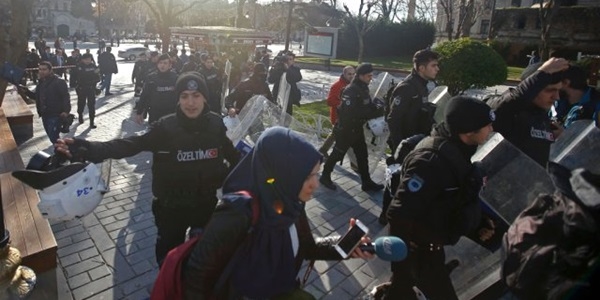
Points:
[(29, 231), (19, 115)]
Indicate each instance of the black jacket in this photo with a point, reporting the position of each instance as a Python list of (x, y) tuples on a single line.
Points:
[(521, 122), (222, 236), (51, 97), (87, 75), (158, 96), (356, 108), (436, 201), (215, 85), (107, 63), (188, 158), (141, 70), (255, 85), (292, 76), (406, 117)]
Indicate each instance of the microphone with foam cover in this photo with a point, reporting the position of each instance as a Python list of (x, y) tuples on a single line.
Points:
[(388, 248)]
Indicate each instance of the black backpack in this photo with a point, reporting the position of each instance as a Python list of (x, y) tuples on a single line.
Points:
[(552, 249)]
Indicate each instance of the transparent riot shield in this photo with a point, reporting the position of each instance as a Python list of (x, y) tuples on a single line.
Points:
[(283, 95), (578, 147), (439, 96), (259, 114), (380, 85), (225, 88), (513, 180)]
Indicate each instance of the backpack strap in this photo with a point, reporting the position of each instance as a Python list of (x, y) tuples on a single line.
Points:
[(255, 207)]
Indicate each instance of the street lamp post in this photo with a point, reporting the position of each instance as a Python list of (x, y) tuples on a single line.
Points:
[(96, 4), (289, 26)]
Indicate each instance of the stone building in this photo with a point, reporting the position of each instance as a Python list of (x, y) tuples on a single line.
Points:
[(55, 19)]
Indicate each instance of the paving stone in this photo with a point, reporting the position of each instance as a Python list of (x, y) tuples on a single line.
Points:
[(70, 259), (139, 282), (83, 266), (89, 253), (99, 272), (142, 267), (97, 289), (102, 240), (121, 268), (73, 248), (68, 232), (78, 280)]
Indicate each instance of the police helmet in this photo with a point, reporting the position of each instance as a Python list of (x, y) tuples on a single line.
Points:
[(66, 192)]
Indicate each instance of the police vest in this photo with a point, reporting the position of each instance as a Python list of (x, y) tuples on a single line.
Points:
[(189, 165)]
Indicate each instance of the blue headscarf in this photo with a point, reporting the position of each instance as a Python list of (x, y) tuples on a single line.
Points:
[(274, 172)]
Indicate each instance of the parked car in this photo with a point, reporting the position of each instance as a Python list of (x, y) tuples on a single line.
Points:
[(133, 53)]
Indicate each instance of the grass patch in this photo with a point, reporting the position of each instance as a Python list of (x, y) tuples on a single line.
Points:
[(393, 62), (314, 108)]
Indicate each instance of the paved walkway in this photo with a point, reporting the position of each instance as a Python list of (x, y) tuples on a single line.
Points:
[(109, 254)]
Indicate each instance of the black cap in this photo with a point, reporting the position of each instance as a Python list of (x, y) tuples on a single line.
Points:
[(191, 81), (87, 55), (363, 69), (465, 114), (259, 68)]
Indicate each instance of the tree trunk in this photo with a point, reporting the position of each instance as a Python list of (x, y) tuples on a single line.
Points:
[(165, 37), (467, 22), (412, 6), (361, 48), (240, 13), (14, 32)]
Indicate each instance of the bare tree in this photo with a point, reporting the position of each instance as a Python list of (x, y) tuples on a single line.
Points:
[(426, 10), (361, 24), (15, 27), (388, 9), (468, 12), (547, 12), (166, 12)]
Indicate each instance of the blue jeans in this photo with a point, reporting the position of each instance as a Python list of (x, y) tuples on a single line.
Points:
[(51, 127), (106, 79)]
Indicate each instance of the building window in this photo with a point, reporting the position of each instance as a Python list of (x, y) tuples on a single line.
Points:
[(488, 4), (65, 6), (39, 13), (56, 6), (485, 27), (516, 3)]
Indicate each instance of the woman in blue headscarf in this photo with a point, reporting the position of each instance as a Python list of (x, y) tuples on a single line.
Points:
[(282, 173)]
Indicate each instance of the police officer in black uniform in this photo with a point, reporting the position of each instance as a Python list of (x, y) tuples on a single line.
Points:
[(87, 76), (436, 202), (214, 83), (189, 152), (140, 71), (409, 114), (356, 108), (158, 96)]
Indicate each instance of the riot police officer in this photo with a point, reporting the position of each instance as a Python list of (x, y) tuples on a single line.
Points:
[(356, 108), (214, 83), (189, 152), (88, 76), (436, 202), (158, 96)]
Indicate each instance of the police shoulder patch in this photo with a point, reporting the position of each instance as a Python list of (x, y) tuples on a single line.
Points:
[(397, 101), (415, 183), (347, 102)]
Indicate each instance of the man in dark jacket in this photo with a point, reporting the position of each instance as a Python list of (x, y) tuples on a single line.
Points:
[(356, 108), (51, 99), (436, 202), (73, 60), (255, 85), (158, 97), (409, 114), (88, 76), (522, 113), (33, 59), (139, 74), (578, 100), (108, 66), (189, 149), (214, 83), (292, 75)]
